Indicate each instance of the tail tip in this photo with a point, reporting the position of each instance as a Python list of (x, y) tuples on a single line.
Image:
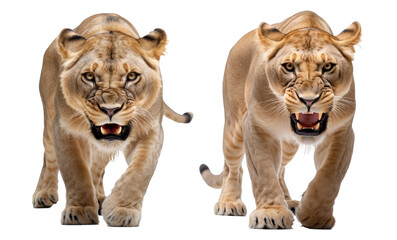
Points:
[(203, 168), (188, 117)]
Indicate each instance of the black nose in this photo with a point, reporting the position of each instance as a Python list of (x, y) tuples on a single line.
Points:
[(110, 111), (307, 102)]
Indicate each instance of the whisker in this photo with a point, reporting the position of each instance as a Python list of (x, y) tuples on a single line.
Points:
[(136, 123), (75, 118)]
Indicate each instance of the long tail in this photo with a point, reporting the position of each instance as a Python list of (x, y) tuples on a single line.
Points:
[(171, 114), (212, 180)]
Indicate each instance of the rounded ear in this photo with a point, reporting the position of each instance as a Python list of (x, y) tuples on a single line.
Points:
[(268, 33), (348, 38), (351, 35), (154, 43), (69, 42)]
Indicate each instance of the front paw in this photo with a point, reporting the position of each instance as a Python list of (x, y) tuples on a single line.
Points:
[(80, 215), (120, 216), (315, 219), (274, 217), (315, 216), (230, 208)]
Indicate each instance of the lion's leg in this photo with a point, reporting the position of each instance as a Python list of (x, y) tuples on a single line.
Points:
[(332, 159), (233, 149), (99, 160), (73, 157), (263, 154), (288, 152), (122, 208), (46, 193)]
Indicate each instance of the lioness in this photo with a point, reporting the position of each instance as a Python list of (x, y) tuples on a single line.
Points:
[(101, 90), (287, 84)]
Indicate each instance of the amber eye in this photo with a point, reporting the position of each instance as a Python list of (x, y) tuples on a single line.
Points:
[(132, 76), (289, 67), (328, 67), (89, 76)]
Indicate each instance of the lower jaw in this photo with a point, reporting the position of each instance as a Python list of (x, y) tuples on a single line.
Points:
[(110, 138), (307, 132)]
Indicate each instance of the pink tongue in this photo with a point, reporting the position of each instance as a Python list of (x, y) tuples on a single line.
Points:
[(307, 119)]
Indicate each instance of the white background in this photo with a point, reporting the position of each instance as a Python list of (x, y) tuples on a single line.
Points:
[(178, 204)]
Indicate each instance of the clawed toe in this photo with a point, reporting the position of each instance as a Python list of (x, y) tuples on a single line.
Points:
[(230, 208)]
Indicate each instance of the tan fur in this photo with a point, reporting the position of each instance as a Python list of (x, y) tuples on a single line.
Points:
[(260, 96), (109, 47)]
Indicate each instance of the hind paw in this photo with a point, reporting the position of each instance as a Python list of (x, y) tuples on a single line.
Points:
[(230, 208), (45, 198), (293, 205)]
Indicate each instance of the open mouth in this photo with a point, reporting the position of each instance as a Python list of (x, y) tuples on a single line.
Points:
[(111, 131), (309, 123)]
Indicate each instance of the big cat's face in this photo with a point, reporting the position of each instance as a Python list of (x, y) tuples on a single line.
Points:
[(112, 86)]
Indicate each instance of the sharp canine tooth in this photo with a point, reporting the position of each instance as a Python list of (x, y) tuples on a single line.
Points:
[(103, 131), (297, 116), (300, 127), (320, 115), (118, 131), (317, 126)]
